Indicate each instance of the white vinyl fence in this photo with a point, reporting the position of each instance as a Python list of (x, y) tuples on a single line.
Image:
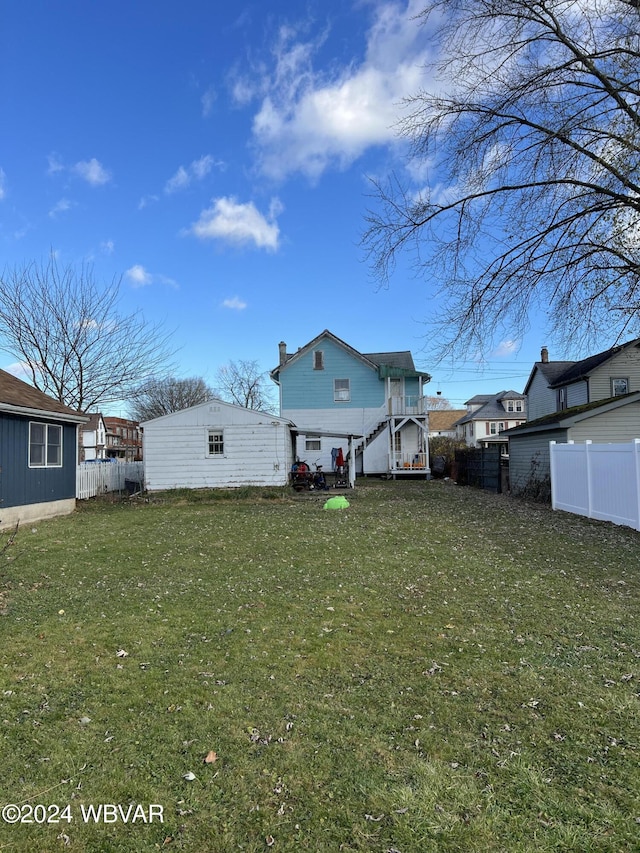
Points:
[(597, 480), (98, 478)]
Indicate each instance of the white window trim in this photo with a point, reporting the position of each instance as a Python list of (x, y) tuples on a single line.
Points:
[(214, 431), (46, 463), (615, 379), (336, 398)]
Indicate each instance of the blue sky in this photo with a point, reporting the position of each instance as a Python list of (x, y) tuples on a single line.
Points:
[(217, 157)]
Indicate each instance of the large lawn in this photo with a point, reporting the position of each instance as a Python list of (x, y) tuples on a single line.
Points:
[(431, 669)]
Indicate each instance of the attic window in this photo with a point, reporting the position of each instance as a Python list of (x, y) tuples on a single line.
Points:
[(619, 387), (318, 359)]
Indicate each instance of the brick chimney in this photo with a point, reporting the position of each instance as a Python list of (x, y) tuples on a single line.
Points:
[(544, 355), (282, 349)]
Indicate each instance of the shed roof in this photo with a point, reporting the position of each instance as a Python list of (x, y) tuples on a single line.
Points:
[(21, 398)]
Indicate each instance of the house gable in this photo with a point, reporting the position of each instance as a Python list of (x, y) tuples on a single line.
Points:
[(559, 385), (308, 378)]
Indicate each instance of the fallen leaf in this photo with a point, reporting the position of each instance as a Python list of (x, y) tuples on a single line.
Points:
[(211, 757), (122, 654), (189, 776)]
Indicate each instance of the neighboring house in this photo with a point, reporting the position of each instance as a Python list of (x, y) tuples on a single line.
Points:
[(442, 422), (328, 389), (488, 416), (556, 385), (597, 398), (216, 444), (38, 453), (124, 439), (93, 439)]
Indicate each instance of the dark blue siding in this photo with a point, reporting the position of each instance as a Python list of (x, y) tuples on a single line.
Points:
[(19, 484)]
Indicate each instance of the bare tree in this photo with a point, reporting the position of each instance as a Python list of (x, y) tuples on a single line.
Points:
[(244, 384), (530, 141), (68, 334), (158, 397), (438, 404)]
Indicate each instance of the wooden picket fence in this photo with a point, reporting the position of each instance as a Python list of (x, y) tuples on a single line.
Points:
[(98, 478)]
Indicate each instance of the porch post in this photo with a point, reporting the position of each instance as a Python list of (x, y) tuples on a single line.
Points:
[(352, 463)]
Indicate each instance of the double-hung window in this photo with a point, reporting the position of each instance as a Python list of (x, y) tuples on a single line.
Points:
[(215, 442), (341, 391), (45, 445)]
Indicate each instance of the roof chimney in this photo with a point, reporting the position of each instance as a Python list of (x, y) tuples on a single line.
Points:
[(544, 355), (282, 348)]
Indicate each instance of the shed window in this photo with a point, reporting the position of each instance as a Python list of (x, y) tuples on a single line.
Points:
[(215, 443), (341, 391), (45, 445), (312, 444), (619, 387)]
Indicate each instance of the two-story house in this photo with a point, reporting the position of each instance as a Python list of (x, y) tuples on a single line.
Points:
[(124, 439), (596, 399), (93, 439), (331, 391), (490, 415)]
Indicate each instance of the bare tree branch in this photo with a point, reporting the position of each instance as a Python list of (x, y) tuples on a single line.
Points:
[(67, 332), (158, 397), (244, 384), (532, 144)]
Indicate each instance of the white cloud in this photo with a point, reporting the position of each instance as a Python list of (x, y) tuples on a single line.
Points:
[(240, 224), (55, 164), (505, 348), (107, 246), (60, 207), (179, 181), (147, 200), (20, 369), (92, 171), (208, 100), (197, 170), (307, 122), (235, 303), (3, 179), (140, 277)]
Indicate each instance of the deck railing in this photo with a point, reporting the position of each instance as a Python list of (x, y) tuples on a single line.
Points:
[(408, 461), (411, 404)]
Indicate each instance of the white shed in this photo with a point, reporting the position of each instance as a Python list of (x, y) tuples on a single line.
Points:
[(216, 444)]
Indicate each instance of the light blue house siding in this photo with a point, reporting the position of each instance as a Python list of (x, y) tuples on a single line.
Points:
[(308, 387), (331, 391)]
